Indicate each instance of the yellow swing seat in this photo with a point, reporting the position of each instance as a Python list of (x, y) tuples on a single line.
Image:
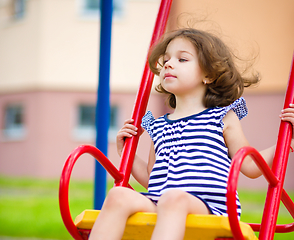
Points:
[(198, 227)]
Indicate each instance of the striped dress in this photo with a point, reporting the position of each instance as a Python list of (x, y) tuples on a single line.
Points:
[(191, 155)]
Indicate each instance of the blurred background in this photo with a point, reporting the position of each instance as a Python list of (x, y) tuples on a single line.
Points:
[(49, 75)]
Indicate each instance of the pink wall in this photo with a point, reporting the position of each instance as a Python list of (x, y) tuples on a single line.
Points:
[(50, 119), (49, 122)]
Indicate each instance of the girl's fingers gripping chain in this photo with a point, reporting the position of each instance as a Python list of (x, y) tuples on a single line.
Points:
[(128, 130), (287, 114)]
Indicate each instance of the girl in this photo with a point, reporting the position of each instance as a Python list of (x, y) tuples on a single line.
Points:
[(191, 148)]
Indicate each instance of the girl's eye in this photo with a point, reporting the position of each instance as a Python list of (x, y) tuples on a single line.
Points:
[(165, 61), (183, 60)]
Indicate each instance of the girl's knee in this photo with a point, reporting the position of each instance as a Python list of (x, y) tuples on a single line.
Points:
[(178, 200), (173, 198), (117, 197)]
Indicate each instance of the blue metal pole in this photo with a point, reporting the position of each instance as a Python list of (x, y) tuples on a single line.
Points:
[(103, 100)]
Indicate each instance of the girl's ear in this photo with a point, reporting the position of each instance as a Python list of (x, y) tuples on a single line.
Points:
[(206, 81)]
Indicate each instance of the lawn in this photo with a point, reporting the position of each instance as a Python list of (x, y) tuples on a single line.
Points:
[(29, 207)]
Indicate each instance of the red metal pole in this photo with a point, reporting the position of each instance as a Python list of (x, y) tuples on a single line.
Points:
[(142, 98), (274, 194)]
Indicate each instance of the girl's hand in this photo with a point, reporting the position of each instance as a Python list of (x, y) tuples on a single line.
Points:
[(127, 131), (287, 114)]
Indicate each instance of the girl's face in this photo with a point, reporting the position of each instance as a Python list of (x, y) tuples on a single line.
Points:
[(181, 73)]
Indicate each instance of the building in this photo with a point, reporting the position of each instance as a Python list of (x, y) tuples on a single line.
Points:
[(49, 73)]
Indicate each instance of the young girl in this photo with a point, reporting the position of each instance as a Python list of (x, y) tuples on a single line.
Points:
[(191, 148)]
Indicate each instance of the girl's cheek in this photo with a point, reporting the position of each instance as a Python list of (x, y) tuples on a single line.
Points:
[(161, 76)]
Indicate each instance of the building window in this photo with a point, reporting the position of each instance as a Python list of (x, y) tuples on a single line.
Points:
[(85, 126), (14, 128), (18, 8), (92, 7), (86, 116), (85, 129), (92, 4)]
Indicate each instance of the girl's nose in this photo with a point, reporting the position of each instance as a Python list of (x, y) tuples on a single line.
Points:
[(168, 64)]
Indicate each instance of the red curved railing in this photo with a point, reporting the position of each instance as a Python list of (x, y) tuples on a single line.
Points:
[(65, 178), (232, 187), (274, 176)]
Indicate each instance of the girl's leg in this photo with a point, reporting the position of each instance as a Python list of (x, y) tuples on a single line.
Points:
[(172, 210), (119, 204)]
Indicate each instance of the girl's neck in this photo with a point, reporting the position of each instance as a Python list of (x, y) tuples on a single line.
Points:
[(186, 107)]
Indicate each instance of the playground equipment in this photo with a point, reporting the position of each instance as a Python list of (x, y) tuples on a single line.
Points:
[(140, 225)]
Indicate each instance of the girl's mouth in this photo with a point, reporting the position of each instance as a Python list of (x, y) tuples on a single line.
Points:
[(169, 76)]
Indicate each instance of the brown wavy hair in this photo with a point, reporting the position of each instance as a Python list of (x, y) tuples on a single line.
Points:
[(225, 82)]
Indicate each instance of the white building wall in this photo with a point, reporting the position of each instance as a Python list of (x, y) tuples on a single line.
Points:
[(19, 48), (56, 47)]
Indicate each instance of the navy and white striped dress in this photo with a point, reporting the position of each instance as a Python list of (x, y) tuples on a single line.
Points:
[(191, 155)]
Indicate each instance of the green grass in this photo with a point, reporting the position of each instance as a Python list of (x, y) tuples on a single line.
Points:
[(252, 208), (29, 207), (253, 203)]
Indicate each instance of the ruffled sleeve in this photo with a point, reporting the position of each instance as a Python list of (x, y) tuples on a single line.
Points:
[(239, 107), (147, 123)]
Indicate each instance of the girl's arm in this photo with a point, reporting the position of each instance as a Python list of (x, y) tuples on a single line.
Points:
[(235, 139), (141, 169)]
